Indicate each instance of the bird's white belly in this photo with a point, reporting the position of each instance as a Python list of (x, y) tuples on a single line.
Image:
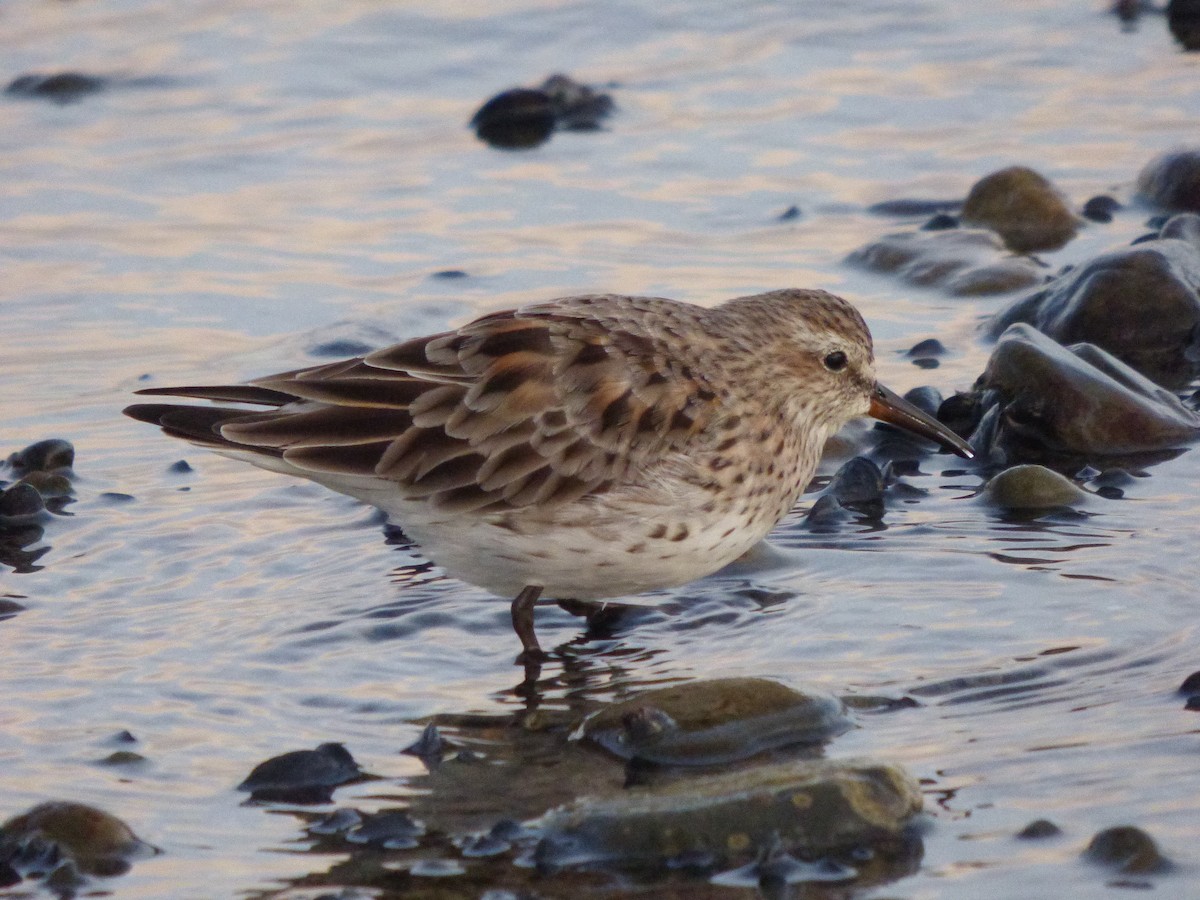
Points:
[(578, 560)]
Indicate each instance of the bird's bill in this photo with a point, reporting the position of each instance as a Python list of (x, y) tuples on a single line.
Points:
[(890, 407)]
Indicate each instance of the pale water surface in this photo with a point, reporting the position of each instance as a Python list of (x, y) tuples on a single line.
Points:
[(264, 177)]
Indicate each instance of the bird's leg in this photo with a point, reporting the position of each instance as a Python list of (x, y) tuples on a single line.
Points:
[(522, 620)]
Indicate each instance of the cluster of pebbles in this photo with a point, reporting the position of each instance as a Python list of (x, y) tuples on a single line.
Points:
[(1092, 367)]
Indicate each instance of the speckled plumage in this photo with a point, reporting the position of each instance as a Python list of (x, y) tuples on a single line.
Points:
[(590, 447)]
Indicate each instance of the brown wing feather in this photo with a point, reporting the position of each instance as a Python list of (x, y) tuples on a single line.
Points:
[(541, 405)]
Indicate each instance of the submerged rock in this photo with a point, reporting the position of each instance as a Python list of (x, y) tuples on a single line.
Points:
[(60, 87), (526, 117), (302, 776), (1033, 487), (965, 262), (1023, 207), (1139, 303), (60, 833), (856, 488), (807, 807), (714, 721), (1039, 829), (1040, 397)]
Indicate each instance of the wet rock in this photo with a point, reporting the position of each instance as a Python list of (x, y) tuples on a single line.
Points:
[(450, 274), (515, 119), (180, 467), (940, 222), (1172, 180), (1191, 684), (1042, 398), (395, 830), (789, 215), (526, 117), (19, 503), (1183, 19), (58, 832), (808, 807), (49, 455), (1039, 829), (1139, 303), (302, 776), (60, 87), (1100, 209), (965, 262), (337, 822), (909, 207), (714, 721), (1033, 487), (857, 487), (9, 608), (123, 758), (1127, 849), (1023, 207), (49, 485), (430, 747), (927, 347)]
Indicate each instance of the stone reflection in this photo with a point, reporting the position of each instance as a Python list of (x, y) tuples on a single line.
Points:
[(683, 790)]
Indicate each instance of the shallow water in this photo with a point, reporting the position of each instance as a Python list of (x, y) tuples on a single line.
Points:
[(260, 179)]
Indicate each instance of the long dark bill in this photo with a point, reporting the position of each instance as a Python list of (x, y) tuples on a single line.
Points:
[(890, 407)]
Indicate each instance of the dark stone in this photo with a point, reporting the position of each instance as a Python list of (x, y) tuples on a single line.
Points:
[(180, 467), (515, 119), (44, 456), (1101, 209), (925, 398), (960, 413), (61, 87), (520, 118), (1044, 401), (926, 362), (940, 222), (1172, 180), (450, 274), (1140, 304), (430, 747), (1127, 849), (21, 501), (788, 215), (1038, 829), (909, 207), (927, 347), (858, 485), (1192, 704), (302, 776), (1183, 19), (1191, 684)]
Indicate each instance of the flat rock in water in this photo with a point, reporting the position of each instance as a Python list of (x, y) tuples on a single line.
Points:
[(965, 262), (1140, 303), (809, 807), (714, 721)]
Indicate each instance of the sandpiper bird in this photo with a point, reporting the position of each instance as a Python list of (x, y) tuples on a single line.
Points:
[(587, 448)]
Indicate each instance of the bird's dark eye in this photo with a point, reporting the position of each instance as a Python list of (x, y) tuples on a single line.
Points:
[(835, 361)]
